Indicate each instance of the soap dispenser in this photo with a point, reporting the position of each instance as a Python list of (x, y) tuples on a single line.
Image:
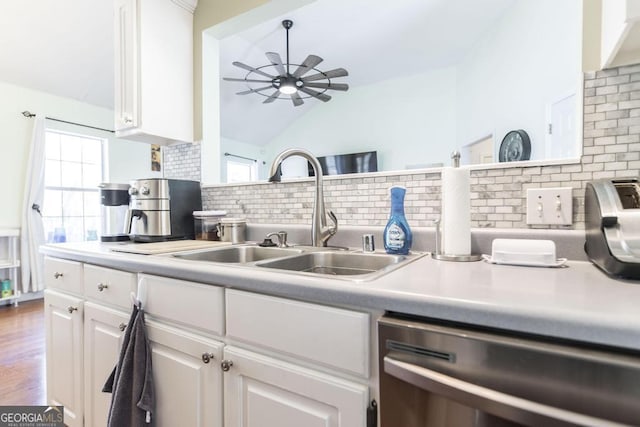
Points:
[(397, 234)]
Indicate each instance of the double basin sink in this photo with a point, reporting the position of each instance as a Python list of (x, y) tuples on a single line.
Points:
[(329, 262)]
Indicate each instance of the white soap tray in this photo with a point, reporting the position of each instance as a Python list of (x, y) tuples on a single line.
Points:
[(525, 252)]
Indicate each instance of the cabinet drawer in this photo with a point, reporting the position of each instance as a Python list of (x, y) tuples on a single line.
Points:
[(330, 336), (62, 274), (192, 304), (109, 286)]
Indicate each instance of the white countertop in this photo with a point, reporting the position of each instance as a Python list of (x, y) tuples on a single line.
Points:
[(578, 302)]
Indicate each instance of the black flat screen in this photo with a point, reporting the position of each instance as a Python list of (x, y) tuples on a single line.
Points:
[(348, 163)]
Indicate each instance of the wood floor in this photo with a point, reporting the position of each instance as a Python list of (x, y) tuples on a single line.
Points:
[(22, 357)]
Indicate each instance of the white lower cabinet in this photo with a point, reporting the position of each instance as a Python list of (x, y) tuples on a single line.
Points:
[(63, 316), (220, 357), (261, 391), (187, 377), (104, 330)]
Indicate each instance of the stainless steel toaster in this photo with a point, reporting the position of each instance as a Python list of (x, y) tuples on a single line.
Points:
[(612, 217)]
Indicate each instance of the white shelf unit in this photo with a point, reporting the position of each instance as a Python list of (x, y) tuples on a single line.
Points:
[(10, 262)]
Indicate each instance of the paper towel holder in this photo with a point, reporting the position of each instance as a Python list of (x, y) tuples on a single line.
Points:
[(438, 254), (447, 257)]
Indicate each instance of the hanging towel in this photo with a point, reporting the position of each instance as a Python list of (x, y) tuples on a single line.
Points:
[(131, 382)]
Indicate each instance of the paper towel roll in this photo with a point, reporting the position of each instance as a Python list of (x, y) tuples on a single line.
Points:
[(456, 212)]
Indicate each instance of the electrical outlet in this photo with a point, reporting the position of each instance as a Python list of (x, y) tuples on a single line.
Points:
[(547, 206)]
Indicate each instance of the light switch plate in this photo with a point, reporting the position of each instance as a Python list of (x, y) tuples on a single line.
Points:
[(546, 206)]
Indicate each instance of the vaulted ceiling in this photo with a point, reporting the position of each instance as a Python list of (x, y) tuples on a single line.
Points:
[(65, 47)]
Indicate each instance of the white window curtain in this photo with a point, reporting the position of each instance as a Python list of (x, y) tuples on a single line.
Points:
[(32, 235)]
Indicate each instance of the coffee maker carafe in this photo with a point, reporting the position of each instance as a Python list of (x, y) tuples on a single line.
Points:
[(162, 209), (114, 203)]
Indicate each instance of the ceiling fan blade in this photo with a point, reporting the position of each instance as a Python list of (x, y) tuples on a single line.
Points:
[(338, 72), (277, 62), (297, 101), (272, 97), (231, 79), (252, 69), (308, 64), (321, 96), (260, 89), (334, 86)]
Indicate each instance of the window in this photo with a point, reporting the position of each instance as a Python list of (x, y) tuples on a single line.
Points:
[(73, 170), (241, 171)]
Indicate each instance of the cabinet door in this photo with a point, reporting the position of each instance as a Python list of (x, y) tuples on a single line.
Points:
[(103, 334), (126, 64), (263, 392), (187, 377), (63, 329)]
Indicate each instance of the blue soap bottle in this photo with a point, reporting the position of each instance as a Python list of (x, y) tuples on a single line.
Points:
[(397, 234)]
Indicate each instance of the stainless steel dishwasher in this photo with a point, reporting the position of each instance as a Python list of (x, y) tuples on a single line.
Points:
[(437, 374)]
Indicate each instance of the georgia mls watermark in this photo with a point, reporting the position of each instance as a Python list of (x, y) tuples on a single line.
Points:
[(31, 416)]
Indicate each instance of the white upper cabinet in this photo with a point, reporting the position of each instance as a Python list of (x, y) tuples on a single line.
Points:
[(154, 70), (620, 41)]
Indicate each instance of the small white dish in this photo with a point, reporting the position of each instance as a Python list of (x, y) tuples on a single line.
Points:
[(525, 252)]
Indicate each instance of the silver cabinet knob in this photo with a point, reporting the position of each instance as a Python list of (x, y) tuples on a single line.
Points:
[(127, 120), (145, 191), (57, 275), (71, 309), (102, 287), (207, 357), (226, 365), (122, 327)]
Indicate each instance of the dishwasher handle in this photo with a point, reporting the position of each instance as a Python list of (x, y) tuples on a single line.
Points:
[(501, 404)]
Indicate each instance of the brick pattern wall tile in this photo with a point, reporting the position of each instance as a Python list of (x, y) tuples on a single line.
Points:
[(182, 161), (611, 149)]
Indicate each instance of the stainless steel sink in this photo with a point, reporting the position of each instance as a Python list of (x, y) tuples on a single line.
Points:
[(305, 260), (351, 264), (238, 254)]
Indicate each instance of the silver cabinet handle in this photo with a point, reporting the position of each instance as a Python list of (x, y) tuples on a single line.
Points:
[(207, 357), (71, 309), (226, 365), (122, 327), (127, 119), (57, 275), (102, 287), (505, 405)]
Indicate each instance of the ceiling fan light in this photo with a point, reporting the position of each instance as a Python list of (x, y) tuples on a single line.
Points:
[(287, 88)]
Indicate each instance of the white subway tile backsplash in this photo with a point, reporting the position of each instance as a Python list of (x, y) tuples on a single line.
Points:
[(611, 140)]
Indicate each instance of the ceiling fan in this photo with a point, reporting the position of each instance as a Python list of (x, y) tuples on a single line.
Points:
[(287, 84)]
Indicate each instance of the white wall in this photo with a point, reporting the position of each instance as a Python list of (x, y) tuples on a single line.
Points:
[(518, 69), (239, 148), (409, 121), (529, 60), (127, 160)]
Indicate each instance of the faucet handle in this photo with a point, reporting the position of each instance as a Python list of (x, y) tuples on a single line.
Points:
[(334, 228)]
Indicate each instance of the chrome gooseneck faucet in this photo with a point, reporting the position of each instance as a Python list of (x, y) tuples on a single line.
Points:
[(320, 231)]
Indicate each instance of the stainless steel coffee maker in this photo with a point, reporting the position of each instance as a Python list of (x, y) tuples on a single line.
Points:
[(162, 209)]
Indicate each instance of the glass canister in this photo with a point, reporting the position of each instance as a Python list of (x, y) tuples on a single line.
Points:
[(206, 224)]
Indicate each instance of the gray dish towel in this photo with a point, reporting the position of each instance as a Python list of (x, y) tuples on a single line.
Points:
[(131, 382)]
